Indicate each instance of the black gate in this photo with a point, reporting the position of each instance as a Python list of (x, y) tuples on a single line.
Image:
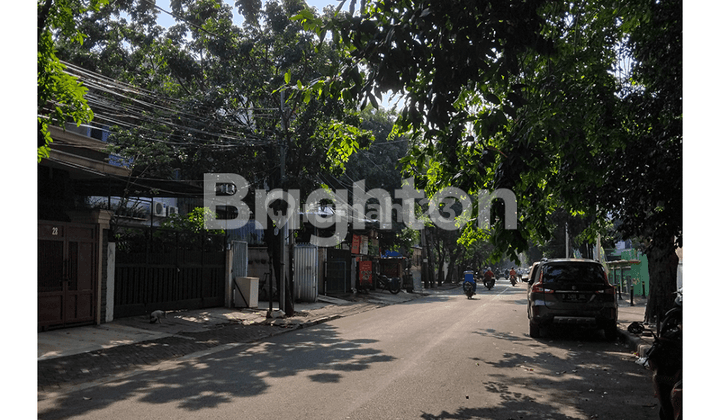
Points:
[(338, 271), (168, 270)]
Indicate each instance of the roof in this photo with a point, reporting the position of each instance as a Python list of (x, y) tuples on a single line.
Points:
[(87, 162), (622, 263)]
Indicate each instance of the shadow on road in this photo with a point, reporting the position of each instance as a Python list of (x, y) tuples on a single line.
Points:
[(573, 373), (222, 377), (520, 409)]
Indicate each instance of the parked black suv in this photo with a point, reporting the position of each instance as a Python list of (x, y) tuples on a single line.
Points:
[(571, 292)]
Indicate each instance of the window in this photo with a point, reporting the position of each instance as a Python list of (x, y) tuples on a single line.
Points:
[(573, 273)]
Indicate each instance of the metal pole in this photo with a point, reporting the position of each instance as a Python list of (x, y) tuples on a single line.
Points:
[(567, 241), (643, 289), (270, 293)]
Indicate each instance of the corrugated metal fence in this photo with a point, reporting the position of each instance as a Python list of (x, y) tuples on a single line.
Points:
[(240, 259), (306, 272)]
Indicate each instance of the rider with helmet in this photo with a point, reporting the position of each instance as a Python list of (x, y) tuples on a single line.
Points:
[(513, 276), (488, 275)]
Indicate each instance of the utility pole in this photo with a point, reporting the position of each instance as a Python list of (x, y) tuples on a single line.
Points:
[(425, 277), (567, 241), (281, 232), (285, 232)]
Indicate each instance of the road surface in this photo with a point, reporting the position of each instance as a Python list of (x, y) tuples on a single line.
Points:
[(440, 357)]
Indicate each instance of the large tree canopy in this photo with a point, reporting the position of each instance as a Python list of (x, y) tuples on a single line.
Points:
[(570, 105), (207, 96)]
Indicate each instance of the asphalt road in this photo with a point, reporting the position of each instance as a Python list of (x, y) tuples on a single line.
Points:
[(440, 357)]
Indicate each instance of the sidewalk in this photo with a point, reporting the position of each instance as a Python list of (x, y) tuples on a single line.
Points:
[(75, 358), (627, 314)]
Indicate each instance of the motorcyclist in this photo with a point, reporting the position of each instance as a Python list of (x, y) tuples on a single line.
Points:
[(488, 275), (513, 276)]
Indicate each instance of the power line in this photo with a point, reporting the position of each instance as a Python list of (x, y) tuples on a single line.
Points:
[(132, 107)]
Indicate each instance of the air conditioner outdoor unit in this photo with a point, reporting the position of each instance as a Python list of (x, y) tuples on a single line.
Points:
[(172, 210), (225, 189), (159, 209)]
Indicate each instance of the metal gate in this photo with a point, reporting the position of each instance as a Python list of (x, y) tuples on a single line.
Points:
[(306, 272), (338, 271), (176, 270), (240, 259), (67, 273)]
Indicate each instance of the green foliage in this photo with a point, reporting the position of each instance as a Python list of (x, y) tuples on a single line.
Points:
[(524, 95), (60, 97), (194, 221), (208, 96)]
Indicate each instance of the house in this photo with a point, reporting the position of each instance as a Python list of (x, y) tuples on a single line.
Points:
[(628, 269), (72, 239), (75, 248)]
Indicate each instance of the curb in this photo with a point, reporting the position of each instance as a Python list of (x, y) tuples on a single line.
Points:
[(318, 321), (637, 343), (61, 388), (66, 388)]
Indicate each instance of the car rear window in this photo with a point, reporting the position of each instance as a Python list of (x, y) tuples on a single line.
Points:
[(573, 273)]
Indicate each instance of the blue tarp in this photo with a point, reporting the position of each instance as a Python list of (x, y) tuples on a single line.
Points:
[(391, 254)]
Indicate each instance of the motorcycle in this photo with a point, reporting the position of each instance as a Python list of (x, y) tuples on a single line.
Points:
[(391, 284), (513, 279), (469, 286), (489, 282), (665, 360)]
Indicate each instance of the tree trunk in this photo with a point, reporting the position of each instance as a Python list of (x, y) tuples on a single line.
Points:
[(430, 256), (42, 17), (441, 265), (275, 251), (662, 266), (441, 258), (451, 266)]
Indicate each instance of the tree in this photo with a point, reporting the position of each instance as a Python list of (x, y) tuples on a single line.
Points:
[(206, 96), (60, 96), (647, 171), (524, 95)]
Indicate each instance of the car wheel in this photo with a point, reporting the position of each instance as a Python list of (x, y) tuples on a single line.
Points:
[(534, 330), (611, 333)]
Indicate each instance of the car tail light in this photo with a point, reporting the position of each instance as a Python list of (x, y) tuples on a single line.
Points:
[(539, 287), (610, 290)]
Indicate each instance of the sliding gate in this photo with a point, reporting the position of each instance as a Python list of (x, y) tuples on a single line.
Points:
[(168, 270)]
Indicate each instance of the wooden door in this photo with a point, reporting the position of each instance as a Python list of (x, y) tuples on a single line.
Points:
[(67, 273)]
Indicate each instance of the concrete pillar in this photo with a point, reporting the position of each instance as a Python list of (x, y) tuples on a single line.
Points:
[(110, 287), (101, 218)]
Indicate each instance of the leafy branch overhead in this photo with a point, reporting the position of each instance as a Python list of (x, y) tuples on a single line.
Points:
[(522, 95), (60, 96), (574, 106), (205, 95)]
